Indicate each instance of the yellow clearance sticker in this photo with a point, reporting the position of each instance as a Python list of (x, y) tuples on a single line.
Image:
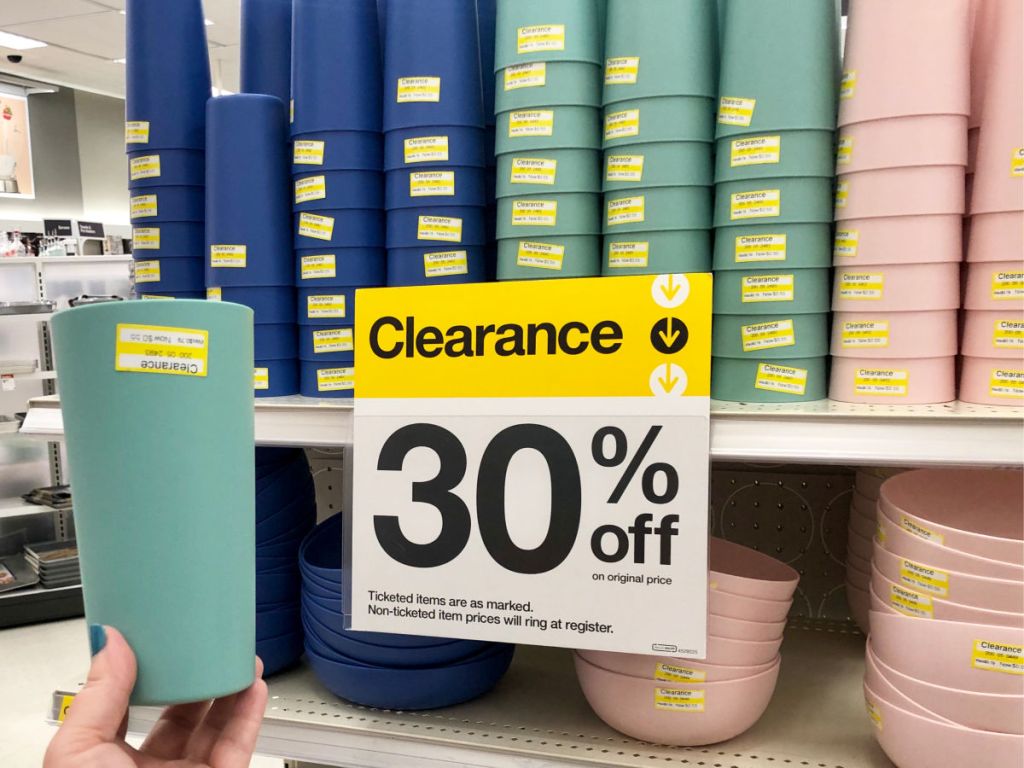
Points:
[(759, 204), (846, 243), (911, 603), (624, 168), (1006, 382), (756, 289), (318, 266), (1008, 286), (622, 70), (332, 340), (1008, 334), (736, 111), (781, 378), (446, 229), (307, 152), (534, 170), (1017, 163), (771, 335), (426, 149), (432, 184), (316, 227), (419, 90), (848, 86), (626, 210), (622, 125), (534, 213), (65, 705), (214, 294), (147, 167), (531, 122), (157, 349), (445, 263), (758, 248), (260, 378), (326, 307), (861, 286), (911, 526), (310, 188), (540, 255), (679, 700), (144, 206), (756, 150), (147, 271), (865, 334), (146, 238), (881, 382), (844, 152), (534, 75), (874, 713), (998, 657), (136, 132), (335, 379), (842, 194), (672, 673), (153, 297), (228, 256), (539, 38), (628, 255), (921, 577)]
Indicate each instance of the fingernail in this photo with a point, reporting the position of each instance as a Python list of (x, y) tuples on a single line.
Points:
[(97, 638)]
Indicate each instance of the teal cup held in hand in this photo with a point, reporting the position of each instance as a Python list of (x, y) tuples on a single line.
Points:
[(157, 398)]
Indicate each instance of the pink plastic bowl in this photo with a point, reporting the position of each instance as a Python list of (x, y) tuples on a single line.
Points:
[(972, 591), (860, 604), (741, 653), (912, 741), (747, 572), (868, 482), (747, 608), (992, 381), (977, 511), (995, 286), (738, 629), (860, 564), (883, 335), (902, 543), (899, 240), (898, 288), (876, 681), (858, 543), (899, 142), (946, 653), (670, 669), (996, 236), (676, 715), (1001, 713), (994, 334), (899, 381), (924, 191)]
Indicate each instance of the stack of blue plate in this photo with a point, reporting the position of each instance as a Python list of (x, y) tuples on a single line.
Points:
[(168, 84), (384, 670), (487, 16), (434, 144), (285, 513), (337, 163), (267, 48)]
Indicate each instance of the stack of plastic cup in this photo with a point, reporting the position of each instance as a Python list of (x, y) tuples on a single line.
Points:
[(547, 99), (900, 200), (168, 84), (248, 244), (267, 48), (338, 191), (993, 339), (660, 81), (773, 200), (435, 176), (486, 16)]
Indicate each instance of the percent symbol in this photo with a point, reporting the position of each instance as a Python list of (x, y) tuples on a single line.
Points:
[(617, 457)]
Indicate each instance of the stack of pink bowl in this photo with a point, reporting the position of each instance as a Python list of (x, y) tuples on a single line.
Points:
[(681, 702), (992, 370), (945, 659), (900, 200)]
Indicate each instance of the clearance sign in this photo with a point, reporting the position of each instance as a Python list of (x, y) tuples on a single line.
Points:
[(532, 463)]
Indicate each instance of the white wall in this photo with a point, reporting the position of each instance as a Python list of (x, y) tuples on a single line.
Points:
[(102, 160)]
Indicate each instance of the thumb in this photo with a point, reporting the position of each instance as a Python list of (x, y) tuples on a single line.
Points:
[(97, 711)]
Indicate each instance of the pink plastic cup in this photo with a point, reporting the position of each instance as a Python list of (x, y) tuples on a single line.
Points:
[(898, 240), (860, 604), (882, 335), (994, 334), (876, 681), (984, 24), (671, 669), (897, 288), (992, 381), (995, 286), (973, 137), (996, 236), (749, 573), (902, 142), (898, 381), (922, 191)]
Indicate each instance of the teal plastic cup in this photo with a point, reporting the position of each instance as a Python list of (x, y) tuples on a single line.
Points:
[(667, 118), (527, 130), (553, 172), (549, 215), (767, 246), (539, 30), (773, 292), (660, 48), (547, 84), (539, 258), (774, 337), (157, 399), (774, 201), (646, 210), (783, 154), (666, 164), (657, 253), (778, 67), (758, 380)]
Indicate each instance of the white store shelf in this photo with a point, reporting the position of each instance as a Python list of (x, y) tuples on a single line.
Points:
[(18, 507), (813, 433), (34, 376), (99, 259), (37, 316)]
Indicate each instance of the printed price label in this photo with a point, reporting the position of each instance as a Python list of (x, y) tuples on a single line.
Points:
[(228, 256), (533, 75), (147, 167), (761, 204), (624, 255), (865, 334), (846, 243), (756, 150), (1008, 334), (735, 111), (316, 227), (911, 526), (534, 122), (326, 307), (443, 228), (540, 255), (534, 213), (911, 603), (881, 382), (144, 206), (1017, 163), (161, 350), (1008, 286), (861, 286), (624, 168), (921, 577), (445, 263), (679, 700), (781, 378), (136, 132), (673, 673), (622, 70), (310, 188), (214, 294), (848, 86), (146, 238), (874, 713), (622, 125), (771, 335), (318, 266), (426, 149), (998, 657), (260, 379), (1007, 382), (307, 152), (626, 210), (432, 184), (147, 271), (763, 288), (540, 37), (419, 90), (757, 248), (842, 194), (534, 170), (844, 152), (332, 340), (336, 379)]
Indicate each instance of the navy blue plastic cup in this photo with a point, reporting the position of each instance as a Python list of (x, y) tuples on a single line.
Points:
[(158, 204), (270, 305), (247, 174), (487, 17), (437, 266), (438, 226), (326, 306), (267, 48), (327, 343), (344, 228), (328, 380), (167, 75), (169, 239), (429, 186), (337, 151), (364, 267), (432, 65), (276, 378), (168, 275), (166, 168), (328, 190), (188, 295), (276, 342), (435, 147), (336, 66)]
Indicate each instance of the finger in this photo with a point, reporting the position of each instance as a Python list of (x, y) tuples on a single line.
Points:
[(220, 715), (171, 734), (122, 731), (237, 741), (98, 710)]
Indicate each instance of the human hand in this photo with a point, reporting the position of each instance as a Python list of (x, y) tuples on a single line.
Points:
[(209, 734)]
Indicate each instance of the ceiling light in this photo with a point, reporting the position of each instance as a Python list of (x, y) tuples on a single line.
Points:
[(19, 43), (205, 21)]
